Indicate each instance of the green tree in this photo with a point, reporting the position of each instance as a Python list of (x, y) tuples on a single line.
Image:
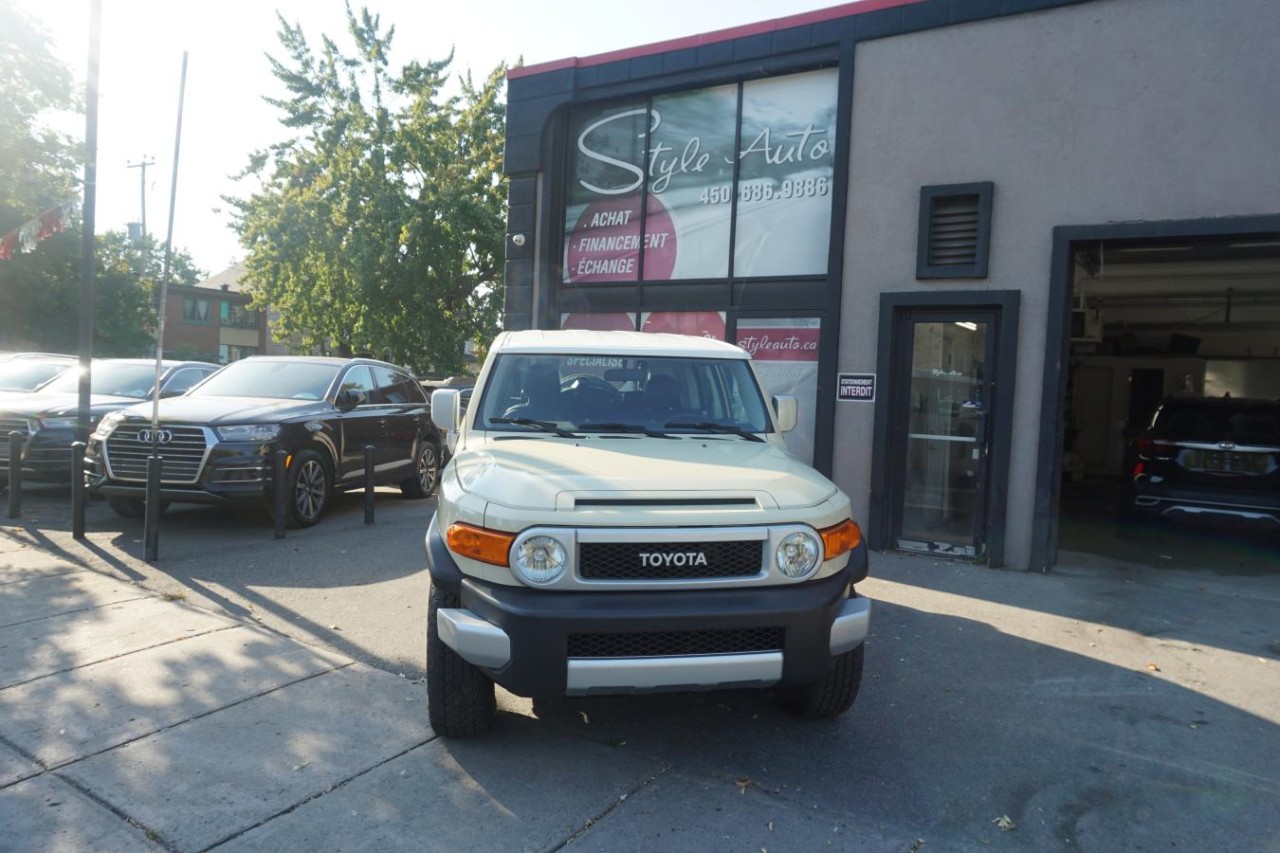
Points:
[(379, 226), (37, 165), (40, 290)]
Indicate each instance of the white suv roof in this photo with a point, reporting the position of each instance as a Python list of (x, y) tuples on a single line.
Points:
[(617, 343)]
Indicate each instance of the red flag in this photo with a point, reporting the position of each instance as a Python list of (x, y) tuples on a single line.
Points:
[(26, 236)]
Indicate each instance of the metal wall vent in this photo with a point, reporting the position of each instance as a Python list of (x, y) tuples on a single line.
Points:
[(955, 231)]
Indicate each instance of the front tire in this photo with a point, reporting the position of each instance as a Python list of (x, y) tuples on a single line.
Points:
[(426, 473), (310, 486), (460, 698), (830, 695)]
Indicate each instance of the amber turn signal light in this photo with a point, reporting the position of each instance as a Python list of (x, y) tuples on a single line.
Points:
[(487, 546), (841, 539)]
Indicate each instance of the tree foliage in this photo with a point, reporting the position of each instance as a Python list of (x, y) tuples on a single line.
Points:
[(40, 290), (37, 165), (379, 224)]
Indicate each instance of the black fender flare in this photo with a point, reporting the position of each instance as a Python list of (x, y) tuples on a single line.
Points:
[(444, 571)]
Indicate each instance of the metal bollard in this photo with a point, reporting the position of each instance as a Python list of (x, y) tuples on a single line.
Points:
[(151, 518), (79, 493), (281, 492), (15, 474), (368, 484)]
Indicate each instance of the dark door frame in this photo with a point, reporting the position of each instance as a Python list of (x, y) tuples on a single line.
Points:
[(894, 307), (1044, 525)]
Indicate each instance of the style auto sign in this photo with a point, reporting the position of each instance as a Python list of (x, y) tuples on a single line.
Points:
[(684, 160)]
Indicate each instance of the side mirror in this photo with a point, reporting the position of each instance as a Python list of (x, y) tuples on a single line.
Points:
[(446, 413), (785, 412), (348, 399), (172, 392)]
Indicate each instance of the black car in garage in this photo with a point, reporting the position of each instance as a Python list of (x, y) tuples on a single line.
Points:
[(218, 442), (47, 417), (1206, 460)]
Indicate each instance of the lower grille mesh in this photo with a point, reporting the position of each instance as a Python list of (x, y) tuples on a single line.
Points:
[(669, 643)]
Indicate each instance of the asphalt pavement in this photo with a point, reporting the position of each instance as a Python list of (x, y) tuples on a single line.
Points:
[(1105, 706)]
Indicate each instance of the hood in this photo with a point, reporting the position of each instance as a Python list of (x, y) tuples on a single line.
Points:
[(230, 410), (545, 473), (63, 405)]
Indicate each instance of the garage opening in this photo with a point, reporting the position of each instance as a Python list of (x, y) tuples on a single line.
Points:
[(1155, 321)]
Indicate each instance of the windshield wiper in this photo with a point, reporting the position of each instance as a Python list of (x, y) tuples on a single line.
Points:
[(626, 428), (544, 426), (712, 426)]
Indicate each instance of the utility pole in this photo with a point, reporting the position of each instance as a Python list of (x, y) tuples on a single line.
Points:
[(143, 164)]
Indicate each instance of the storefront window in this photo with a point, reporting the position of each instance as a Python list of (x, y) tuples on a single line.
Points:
[(702, 324), (785, 351), (606, 189), (599, 321), (765, 204), (786, 164)]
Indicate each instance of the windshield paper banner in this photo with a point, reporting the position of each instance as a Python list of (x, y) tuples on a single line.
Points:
[(675, 158)]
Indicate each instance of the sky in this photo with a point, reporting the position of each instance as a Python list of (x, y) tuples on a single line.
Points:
[(224, 116)]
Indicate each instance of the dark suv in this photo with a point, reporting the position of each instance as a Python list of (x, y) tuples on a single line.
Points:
[(47, 417), (218, 442), (1210, 460)]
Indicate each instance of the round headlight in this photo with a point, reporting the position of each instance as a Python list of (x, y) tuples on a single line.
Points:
[(797, 555), (539, 559)]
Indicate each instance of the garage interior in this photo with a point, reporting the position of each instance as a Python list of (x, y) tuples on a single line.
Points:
[(1151, 320)]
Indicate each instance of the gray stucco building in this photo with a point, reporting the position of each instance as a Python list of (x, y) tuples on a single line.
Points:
[(979, 239)]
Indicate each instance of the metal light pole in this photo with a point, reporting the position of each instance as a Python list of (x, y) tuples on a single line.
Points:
[(143, 164), (78, 497), (151, 519)]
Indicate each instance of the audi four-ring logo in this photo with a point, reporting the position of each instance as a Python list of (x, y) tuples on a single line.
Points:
[(161, 436)]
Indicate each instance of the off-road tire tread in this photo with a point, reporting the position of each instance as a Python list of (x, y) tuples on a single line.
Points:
[(460, 698), (831, 695)]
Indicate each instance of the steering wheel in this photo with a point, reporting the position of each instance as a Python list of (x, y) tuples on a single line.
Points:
[(588, 383)]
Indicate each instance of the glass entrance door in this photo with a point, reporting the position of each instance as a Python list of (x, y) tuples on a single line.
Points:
[(943, 464)]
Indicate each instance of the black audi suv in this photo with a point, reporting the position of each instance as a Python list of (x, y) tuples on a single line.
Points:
[(218, 442), (46, 418)]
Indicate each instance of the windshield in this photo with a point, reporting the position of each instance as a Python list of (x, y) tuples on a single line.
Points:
[(1245, 422), (623, 394), (118, 380), (284, 380), (24, 375)]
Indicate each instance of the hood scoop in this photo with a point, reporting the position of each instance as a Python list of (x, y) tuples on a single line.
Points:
[(665, 502)]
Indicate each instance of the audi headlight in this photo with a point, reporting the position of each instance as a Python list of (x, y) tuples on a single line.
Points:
[(248, 432), (797, 554), (107, 424), (59, 423), (539, 559)]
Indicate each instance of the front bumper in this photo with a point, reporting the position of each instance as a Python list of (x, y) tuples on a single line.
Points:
[(522, 637), (1237, 508), (232, 472), (46, 455), (488, 646)]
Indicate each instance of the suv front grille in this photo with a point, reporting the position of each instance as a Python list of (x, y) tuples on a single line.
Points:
[(128, 447), (669, 560), (8, 425), (671, 643)]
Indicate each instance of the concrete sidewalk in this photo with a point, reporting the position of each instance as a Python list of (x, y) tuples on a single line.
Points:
[(1101, 706)]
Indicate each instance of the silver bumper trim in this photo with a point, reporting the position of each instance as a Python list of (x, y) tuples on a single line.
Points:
[(850, 626), (476, 641), (692, 672)]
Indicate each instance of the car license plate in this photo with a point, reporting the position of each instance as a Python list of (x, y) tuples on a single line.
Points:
[(1226, 462)]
